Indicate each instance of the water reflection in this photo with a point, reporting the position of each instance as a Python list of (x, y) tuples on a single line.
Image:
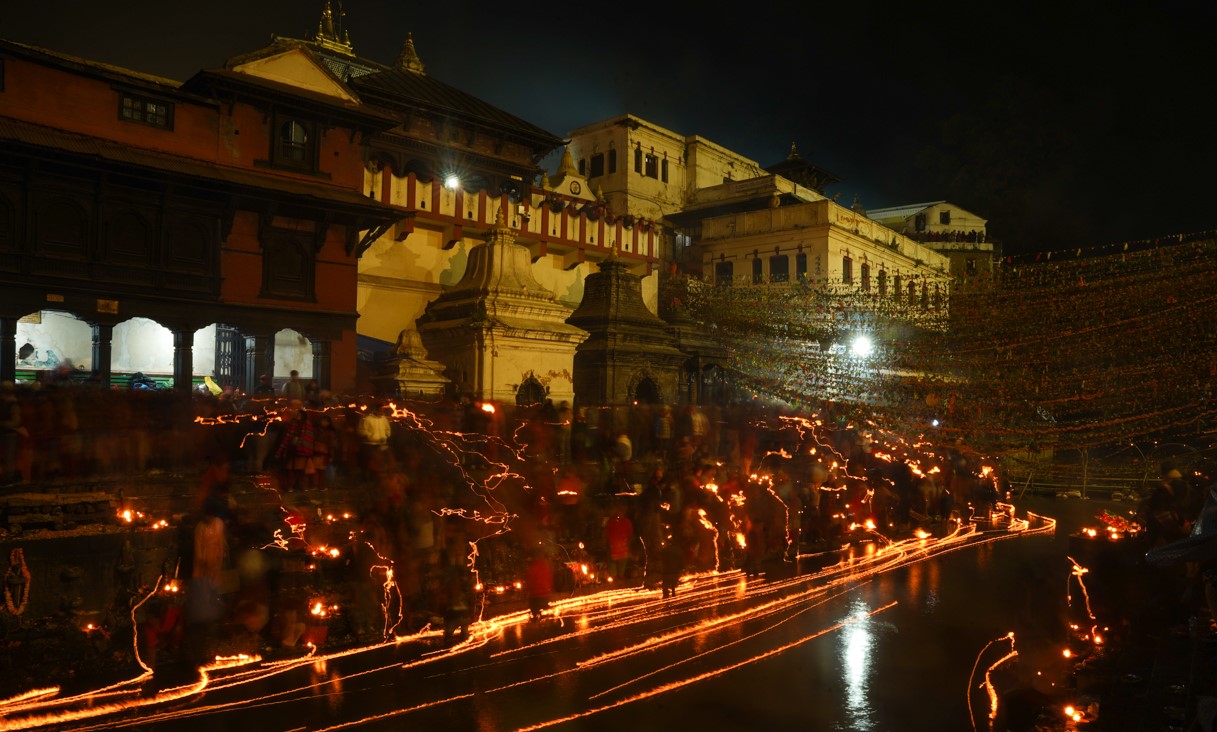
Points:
[(922, 585), (857, 645)]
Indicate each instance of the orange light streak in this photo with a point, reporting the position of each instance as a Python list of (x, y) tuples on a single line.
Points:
[(708, 674)]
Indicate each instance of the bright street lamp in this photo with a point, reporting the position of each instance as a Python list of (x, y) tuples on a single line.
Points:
[(861, 347)]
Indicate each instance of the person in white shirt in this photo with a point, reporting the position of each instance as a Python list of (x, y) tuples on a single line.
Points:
[(374, 433)]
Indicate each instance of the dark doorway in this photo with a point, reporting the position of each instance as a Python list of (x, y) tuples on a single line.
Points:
[(530, 392), (230, 357), (647, 392)]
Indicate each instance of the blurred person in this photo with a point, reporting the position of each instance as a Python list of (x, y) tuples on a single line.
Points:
[(325, 450), (664, 425), (312, 394), (297, 445), (374, 431), (204, 606), (265, 388), (13, 435), (618, 534), (671, 559), (565, 419), (570, 490), (293, 389), (539, 583), (456, 594)]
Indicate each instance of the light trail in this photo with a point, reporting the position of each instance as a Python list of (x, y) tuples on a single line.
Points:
[(708, 674), (988, 685), (772, 603), (653, 623)]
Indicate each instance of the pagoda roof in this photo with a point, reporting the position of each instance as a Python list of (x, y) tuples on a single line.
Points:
[(403, 89)]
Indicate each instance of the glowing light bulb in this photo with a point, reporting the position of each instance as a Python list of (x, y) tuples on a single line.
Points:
[(861, 347)]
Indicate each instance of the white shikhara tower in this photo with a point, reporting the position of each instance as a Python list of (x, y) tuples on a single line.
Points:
[(498, 327)]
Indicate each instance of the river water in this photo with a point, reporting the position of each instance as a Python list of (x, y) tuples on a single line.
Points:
[(854, 646)]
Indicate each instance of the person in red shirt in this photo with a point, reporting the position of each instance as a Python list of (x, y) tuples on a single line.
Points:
[(539, 581), (618, 534)]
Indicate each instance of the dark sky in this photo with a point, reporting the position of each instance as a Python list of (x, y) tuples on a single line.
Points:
[(1064, 123)]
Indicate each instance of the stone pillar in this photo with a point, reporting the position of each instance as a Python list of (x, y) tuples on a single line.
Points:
[(321, 364), (183, 360), (259, 359), (8, 349), (103, 336)]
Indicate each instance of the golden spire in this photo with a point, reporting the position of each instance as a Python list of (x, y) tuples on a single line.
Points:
[(328, 33), (567, 165), (408, 59), (794, 152)]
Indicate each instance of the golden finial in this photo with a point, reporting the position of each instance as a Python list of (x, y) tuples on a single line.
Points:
[(567, 165), (327, 36), (794, 152), (408, 59), (325, 27)]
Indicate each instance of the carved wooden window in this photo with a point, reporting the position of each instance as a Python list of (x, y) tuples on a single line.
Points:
[(288, 266), (128, 238), (847, 270), (864, 270), (612, 161), (758, 275), (143, 110), (882, 283), (800, 266), (597, 166), (8, 238), (63, 230), (663, 170)]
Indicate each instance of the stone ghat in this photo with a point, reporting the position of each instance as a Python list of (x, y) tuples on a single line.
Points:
[(58, 511)]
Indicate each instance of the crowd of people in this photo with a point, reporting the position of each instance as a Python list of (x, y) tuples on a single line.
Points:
[(459, 502)]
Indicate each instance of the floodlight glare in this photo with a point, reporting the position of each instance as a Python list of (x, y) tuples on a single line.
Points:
[(933, 423), (452, 182), (861, 347)]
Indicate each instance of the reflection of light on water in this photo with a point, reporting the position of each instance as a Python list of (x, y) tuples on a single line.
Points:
[(856, 645)]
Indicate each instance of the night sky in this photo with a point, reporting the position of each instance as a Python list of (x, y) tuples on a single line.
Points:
[(1064, 123)]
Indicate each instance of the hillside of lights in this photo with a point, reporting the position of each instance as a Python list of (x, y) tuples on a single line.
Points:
[(752, 614)]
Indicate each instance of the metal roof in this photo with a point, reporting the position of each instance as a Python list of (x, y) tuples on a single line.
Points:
[(198, 171), (900, 212), (406, 90)]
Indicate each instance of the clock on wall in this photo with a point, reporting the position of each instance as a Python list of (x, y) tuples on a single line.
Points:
[(575, 187)]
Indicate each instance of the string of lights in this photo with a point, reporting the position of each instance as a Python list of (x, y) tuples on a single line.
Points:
[(1070, 353)]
